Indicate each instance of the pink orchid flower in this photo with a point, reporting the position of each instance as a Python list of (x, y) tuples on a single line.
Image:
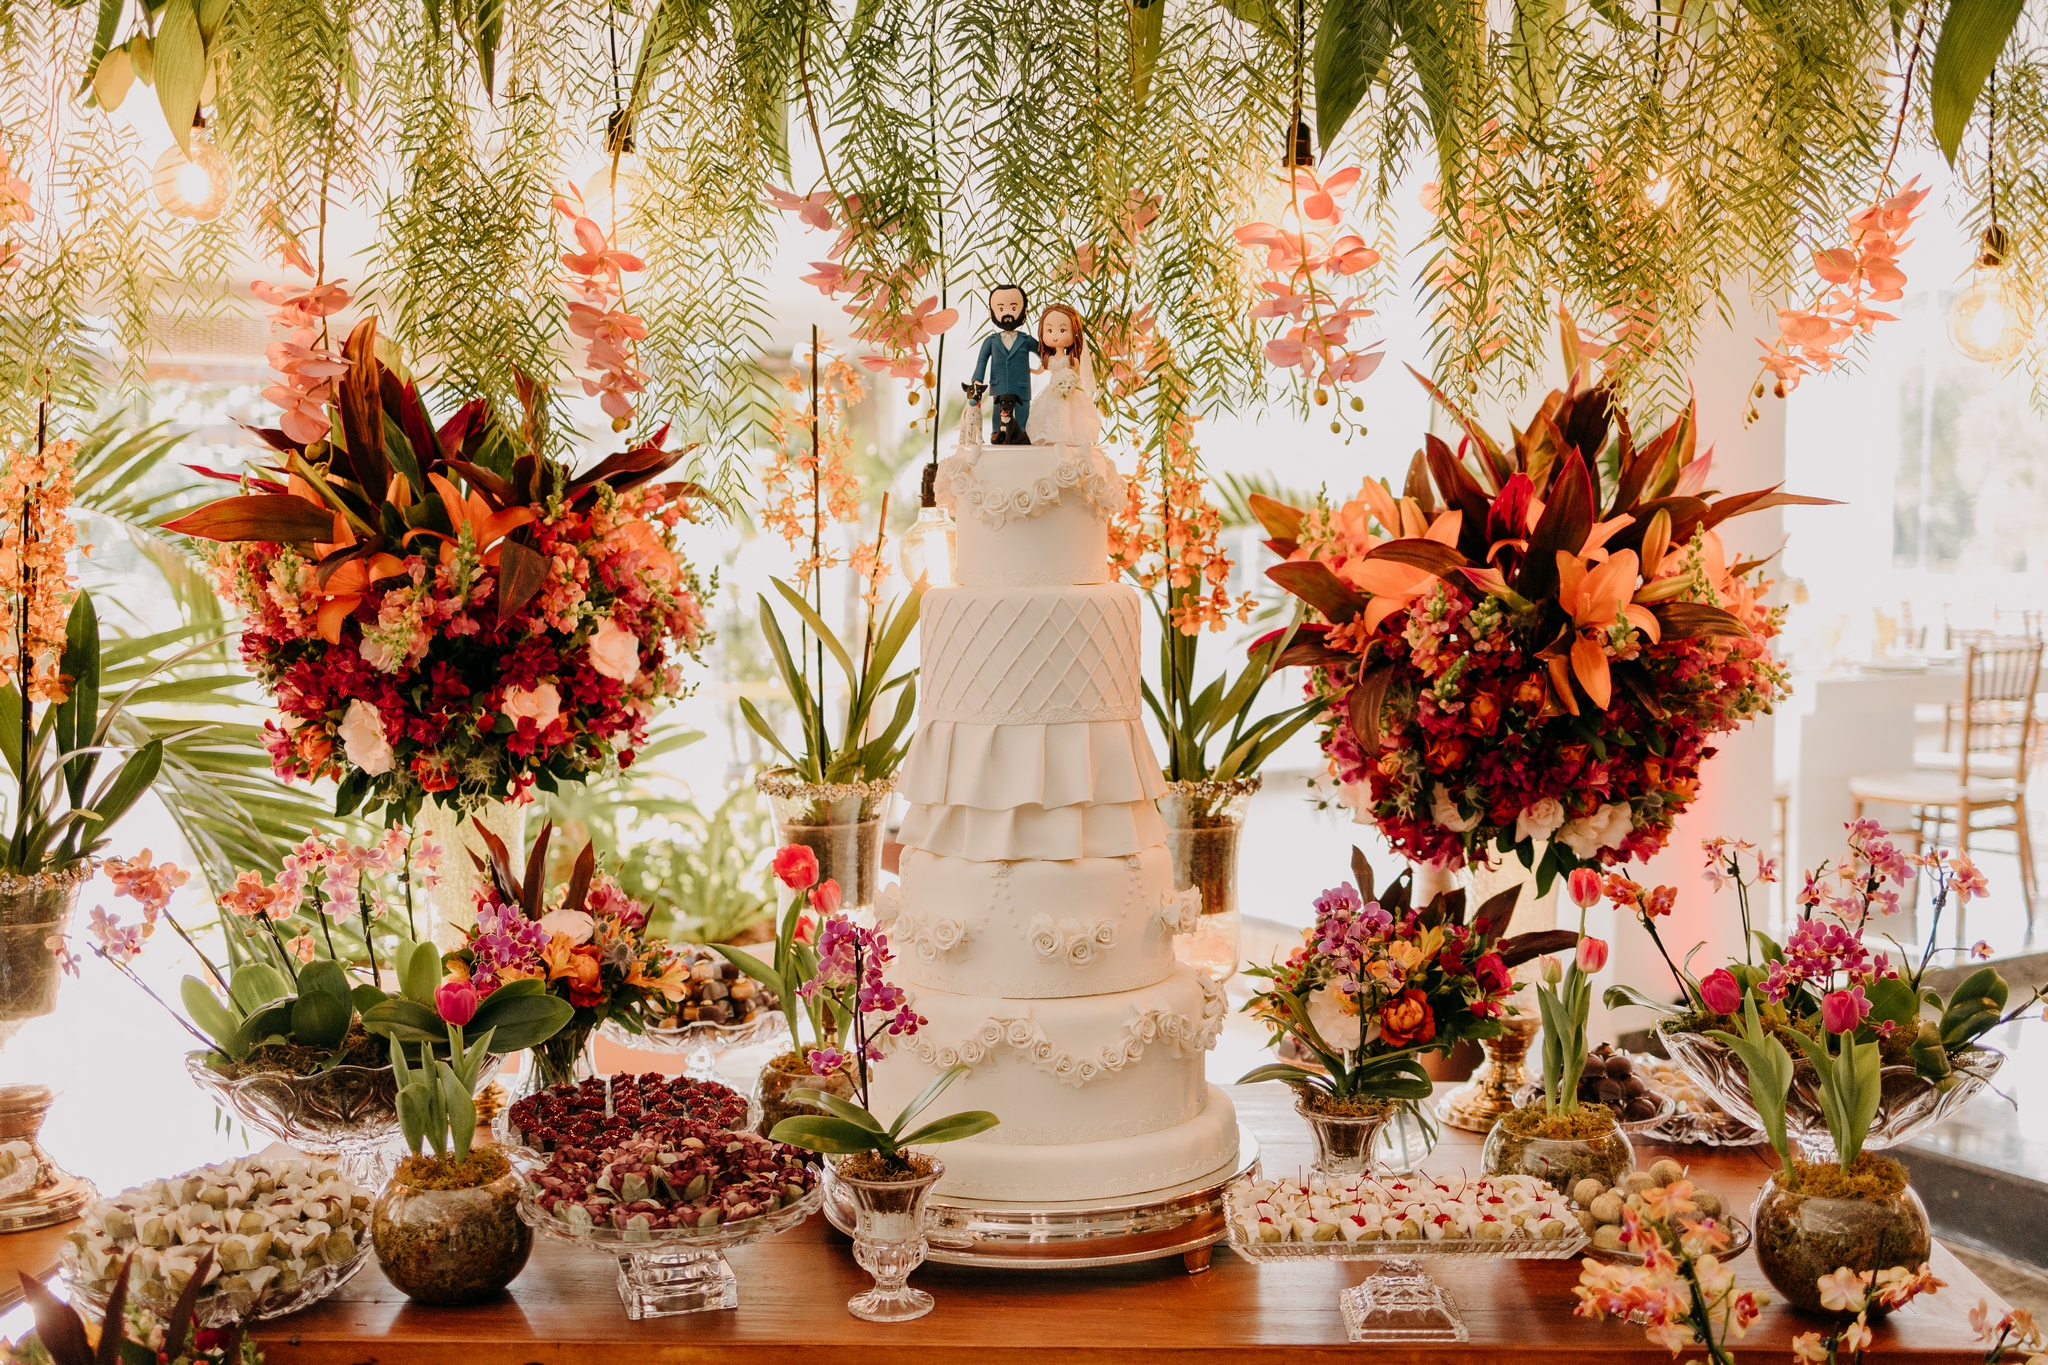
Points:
[(813, 210)]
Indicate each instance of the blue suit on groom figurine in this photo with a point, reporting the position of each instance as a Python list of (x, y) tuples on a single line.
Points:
[(1005, 360)]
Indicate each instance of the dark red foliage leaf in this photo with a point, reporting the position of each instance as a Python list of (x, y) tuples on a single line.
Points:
[(282, 517)]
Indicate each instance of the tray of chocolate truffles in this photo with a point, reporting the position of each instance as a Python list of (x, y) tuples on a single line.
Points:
[(606, 1111), (1613, 1078)]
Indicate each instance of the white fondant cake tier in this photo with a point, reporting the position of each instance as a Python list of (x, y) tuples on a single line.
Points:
[(1031, 515), (1035, 930), (1087, 1068), (996, 767), (1029, 656), (987, 836), (980, 1169)]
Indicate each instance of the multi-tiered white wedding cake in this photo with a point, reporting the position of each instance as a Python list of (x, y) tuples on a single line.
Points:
[(1034, 925)]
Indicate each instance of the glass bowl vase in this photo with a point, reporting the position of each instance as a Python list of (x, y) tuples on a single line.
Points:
[(1907, 1103)]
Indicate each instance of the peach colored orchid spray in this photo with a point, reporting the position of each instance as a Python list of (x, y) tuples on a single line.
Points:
[(902, 332), (1306, 254), (1863, 271), (36, 586), (1682, 1291), (598, 313), (2014, 1332), (809, 481), (1850, 1291), (306, 362)]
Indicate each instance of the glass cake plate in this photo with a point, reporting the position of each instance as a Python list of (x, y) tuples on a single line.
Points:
[(1184, 1220), (702, 1045), (1400, 1302), (670, 1271)]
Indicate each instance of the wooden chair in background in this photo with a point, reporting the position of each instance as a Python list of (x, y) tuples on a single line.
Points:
[(2000, 680)]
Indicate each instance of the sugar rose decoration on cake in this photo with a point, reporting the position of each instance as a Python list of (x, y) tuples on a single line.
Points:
[(449, 612)]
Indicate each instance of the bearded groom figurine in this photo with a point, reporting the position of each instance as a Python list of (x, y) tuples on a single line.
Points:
[(1005, 360)]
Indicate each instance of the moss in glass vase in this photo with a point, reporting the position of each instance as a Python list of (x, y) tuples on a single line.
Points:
[(792, 1071), (1815, 1217), (1562, 1147)]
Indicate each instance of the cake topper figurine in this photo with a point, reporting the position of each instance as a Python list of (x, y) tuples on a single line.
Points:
[(1067, 413), (1005, 359)]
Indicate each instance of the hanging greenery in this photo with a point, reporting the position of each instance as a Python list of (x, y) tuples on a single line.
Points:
[(1627, 159)]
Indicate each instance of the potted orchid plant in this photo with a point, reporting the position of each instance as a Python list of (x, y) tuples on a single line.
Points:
[(1930, 1048), (1375, 985), (884, 1177)]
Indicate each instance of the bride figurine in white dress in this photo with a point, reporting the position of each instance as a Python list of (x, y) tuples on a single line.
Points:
[(1064, 413)]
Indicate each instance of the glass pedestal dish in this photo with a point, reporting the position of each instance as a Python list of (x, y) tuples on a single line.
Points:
[(703, 1045), (1400, 1302), (1906, 1102), (671, 1271), (218, 1307)]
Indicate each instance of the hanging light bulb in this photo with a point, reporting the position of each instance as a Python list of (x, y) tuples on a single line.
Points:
[(927, 556), (1276, 199), (617, 194), (198, 184), (1992, 319)]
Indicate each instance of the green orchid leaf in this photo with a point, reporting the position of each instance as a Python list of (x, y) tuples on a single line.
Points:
[(523, 1021), (319, 1020), (951, 1128), (325, 976), (256, 985), (845, 1109), (925, 1097), (820, 1133)]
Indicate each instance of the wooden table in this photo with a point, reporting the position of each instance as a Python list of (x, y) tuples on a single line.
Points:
[(565, 1309)]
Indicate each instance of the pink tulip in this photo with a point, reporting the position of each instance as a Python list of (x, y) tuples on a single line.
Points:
[(1585, 888), (456, 1002), (1842, 1011), (826, 897), (1720, 991), (1592, 955)]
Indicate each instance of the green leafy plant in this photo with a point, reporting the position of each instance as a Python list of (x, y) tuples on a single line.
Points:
[(817, 756), (60, 814), (795, 967), (437, 1101), (1192, 721), (1849, 1090), (848, 1128), (1564, 1005), (1770, 1076)]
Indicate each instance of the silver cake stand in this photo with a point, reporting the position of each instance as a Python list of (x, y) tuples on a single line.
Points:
[(1185, 1221)]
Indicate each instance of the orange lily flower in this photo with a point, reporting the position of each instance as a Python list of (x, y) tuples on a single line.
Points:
[(1594, 598), (673, 982), (486, 527), (1393, 586), (346, 585)]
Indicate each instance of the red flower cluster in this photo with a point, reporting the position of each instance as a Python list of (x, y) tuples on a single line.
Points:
[(1515, 665), (450, 616)]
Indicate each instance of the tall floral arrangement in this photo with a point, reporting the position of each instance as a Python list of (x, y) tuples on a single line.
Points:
[(448, 612), (1523, 647)]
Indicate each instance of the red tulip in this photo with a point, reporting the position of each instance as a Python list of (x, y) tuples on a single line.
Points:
[(825, 896), (1720, 991), (1592, 955), (796, 867), (1842, 1011), (1585, 887), (456, 1002)]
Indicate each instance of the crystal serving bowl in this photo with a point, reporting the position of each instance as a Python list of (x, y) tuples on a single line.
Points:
[(345, 1111), (1907, 1102), (666, 1271), (702, 1044), (219, 1307)]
